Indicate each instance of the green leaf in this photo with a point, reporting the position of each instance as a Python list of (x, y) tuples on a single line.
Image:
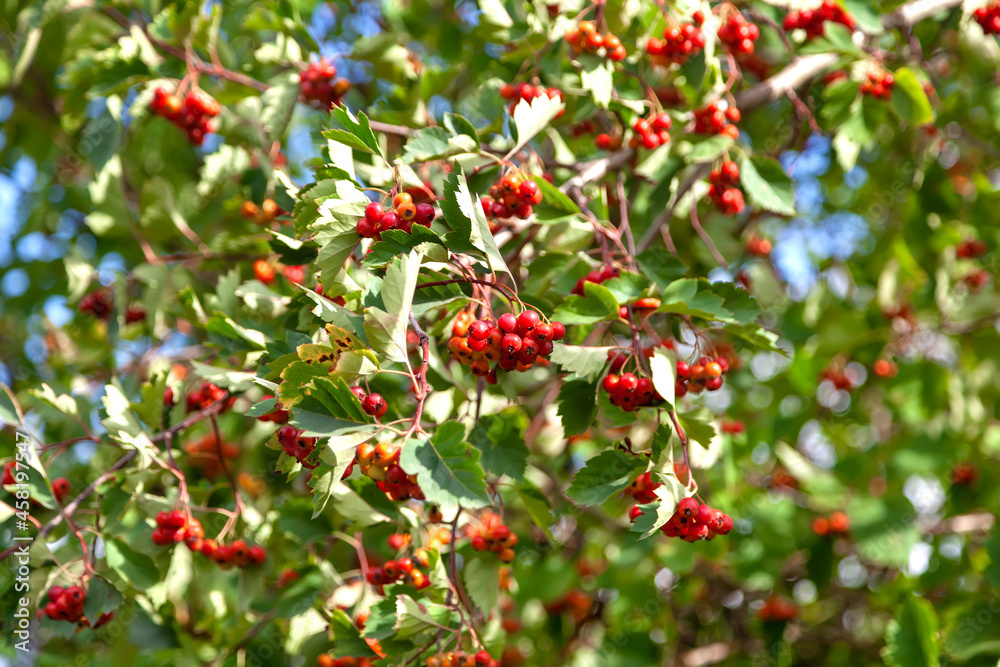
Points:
[(101, 598), (537, 506), (627, 286), (396, 242), (292, 251), (461, 125), (767, 185), (705, 149), (500, 440), (464, 215), (909, 100), (660, 441), (435, 143), (481, 576), (135, 568), (605, 475), (347, 641), (912, 638), (664, 371), (757, 335), (447, 468), (8, 410), (554, 197), (350, 131), (599, 82), (661, 266), (329, 407), (279, 103), (386, 329), (597, 305), (577, 406), (584, 362), (530, 118)]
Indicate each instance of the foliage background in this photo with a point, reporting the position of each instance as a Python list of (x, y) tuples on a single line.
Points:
[(882, 194)]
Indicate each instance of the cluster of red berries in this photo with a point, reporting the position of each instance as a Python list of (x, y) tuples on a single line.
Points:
[(458, 345), (493, 535), (597, 276), (316, 83), (739, 34), (381, 463), (630, 392), (238, 553), (725, 192), (878, 84), (174, 527), (733, 426), (759, 247), (204, 396), (651, 133), (838, 378), (513, 195), (514, 342), (66, 604), (8, 473), (706, 373), (811, 20), (403, 215), (97, 303), (401, 570), (777, 608), (679, 42), (693, 521), (515, 92), (264, 214), (297, 445), (193, 114), (988, 18), (642, 489), (461, 659), (277, 415), (970, 249), (836, 524), (372, 403), (327, 660), (587, 38), (717, 119)]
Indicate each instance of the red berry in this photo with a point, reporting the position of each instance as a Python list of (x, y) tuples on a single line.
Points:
[(375, 405)]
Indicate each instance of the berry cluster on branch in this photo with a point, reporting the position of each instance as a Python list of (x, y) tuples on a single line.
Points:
[(193, 113)]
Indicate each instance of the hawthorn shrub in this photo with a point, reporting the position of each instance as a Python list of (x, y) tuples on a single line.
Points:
[(500, 333)]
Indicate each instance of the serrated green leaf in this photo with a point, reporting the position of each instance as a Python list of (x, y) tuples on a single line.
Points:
[(664, 372), (386, 329), (532, 117), (464, 215), (577, 406), (660, 266), (350, 131), (605, 475), (396, 242), (584, 362), (598, 304), (767, 185), (447, 468), (500, 440)]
